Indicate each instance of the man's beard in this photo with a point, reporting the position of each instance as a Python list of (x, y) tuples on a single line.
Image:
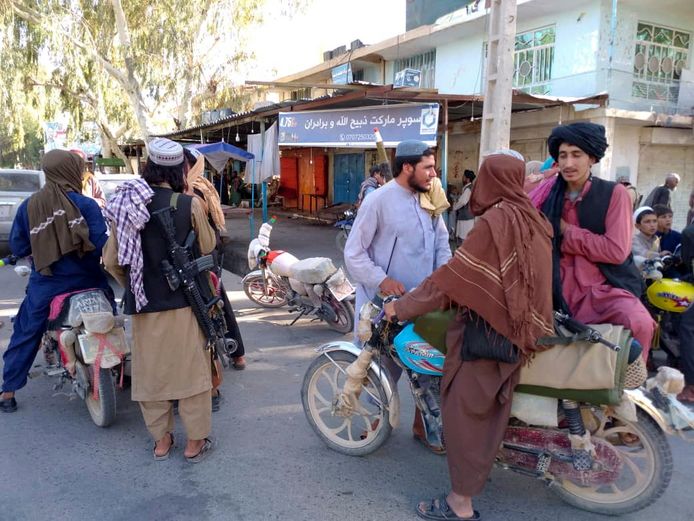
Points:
[(412, 184)]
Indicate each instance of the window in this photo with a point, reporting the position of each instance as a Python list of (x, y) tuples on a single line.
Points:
[(301, 94), (532, 61), (425, 63), (660, 54)]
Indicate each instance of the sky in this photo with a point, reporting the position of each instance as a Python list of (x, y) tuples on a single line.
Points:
[(283, 46)]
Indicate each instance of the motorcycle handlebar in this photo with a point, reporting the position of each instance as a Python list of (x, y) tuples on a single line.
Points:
[(10, 260)]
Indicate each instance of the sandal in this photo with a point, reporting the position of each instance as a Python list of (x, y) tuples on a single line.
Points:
[(438, 509), (204, 451), (436, 449), (168, 452), (217, 401), (239, 363)]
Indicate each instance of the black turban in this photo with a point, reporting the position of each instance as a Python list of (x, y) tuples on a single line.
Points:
[(589, 137)]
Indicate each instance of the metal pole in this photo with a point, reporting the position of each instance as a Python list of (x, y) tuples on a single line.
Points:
[(444, 155), (262, 158)]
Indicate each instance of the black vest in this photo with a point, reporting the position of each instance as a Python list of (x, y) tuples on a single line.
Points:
[(159, 295), (592, 212)]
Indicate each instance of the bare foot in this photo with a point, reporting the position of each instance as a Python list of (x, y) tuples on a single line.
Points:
[(162, 446), (193, 448), (461, 505), (7, 395)]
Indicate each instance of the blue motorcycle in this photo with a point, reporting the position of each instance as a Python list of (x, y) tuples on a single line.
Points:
[(351, 402), (345, 225)]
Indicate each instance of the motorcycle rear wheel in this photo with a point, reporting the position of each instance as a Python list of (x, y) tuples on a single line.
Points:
[(344, 314), (646, 471), (276, 296), (356, 435), (103, 409)]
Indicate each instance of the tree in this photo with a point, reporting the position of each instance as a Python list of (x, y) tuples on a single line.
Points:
[(133, 67)]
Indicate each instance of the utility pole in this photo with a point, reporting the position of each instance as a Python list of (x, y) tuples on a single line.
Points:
[(496, 113)]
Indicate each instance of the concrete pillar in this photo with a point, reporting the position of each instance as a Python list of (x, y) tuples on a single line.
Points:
[(496, 113)]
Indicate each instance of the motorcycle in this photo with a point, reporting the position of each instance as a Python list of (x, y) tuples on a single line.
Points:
[(352, 404), (310, 286), (345, 226), (84, 347), (666, 299)]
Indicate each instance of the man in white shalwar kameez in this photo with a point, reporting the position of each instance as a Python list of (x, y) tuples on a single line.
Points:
[(394, 243)]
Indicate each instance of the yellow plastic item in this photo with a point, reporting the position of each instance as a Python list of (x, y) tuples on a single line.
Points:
[(671, 295)]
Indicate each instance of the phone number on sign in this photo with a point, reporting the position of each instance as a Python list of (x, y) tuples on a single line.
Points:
[(357, 137)]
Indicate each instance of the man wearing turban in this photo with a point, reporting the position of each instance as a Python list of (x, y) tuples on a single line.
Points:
[(595, 278)]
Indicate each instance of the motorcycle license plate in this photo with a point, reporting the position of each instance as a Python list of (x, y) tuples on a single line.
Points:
[(340, 287)]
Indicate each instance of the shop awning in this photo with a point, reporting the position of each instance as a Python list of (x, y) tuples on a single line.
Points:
[(217, 154)]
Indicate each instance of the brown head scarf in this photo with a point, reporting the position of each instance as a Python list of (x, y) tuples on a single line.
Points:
[(210, 198), (56, 224), (503, 270)]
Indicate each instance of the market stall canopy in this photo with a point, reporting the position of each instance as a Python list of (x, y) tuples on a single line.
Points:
[(219, 153)]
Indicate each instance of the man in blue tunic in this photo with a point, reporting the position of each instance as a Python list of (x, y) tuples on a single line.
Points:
[(394, 243), (64, 232)]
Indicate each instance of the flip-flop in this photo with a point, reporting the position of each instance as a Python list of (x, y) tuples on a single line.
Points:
[(168, 452), (438, 450), (439, 510), (204, 451)]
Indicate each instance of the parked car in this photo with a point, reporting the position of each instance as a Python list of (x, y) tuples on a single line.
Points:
[(109, 182), (15, 186)]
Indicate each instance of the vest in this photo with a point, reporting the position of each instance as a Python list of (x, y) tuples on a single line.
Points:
[(154, 251), (592, 211), (464, 213)]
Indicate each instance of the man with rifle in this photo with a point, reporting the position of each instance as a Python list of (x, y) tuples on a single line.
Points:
[(158, 235)]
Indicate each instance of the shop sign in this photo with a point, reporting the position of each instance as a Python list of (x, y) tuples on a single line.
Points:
[(355, 127)]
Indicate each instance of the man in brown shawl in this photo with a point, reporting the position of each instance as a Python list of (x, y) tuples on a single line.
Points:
[(500, 280)]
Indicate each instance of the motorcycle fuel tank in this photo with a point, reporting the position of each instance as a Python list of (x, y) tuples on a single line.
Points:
[(671, 295), (280, 262), (417, 354)]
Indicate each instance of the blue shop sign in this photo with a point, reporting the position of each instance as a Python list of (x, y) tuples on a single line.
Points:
[(355, 127)]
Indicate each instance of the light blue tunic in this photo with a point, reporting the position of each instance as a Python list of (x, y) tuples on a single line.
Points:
[(394, 236)]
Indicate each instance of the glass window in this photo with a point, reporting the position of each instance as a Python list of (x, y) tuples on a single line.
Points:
[(425, 63), (533, 59), (19, 182), (660, 54)]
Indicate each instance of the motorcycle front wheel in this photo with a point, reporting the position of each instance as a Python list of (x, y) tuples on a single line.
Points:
[(358, 434), (274, 297), (103, 409), (344, 316), (646, 469)]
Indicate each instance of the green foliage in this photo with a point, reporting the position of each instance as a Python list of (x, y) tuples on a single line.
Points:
[(170, 58)]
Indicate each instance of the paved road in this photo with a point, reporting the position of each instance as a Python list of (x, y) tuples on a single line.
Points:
[(56, 465)]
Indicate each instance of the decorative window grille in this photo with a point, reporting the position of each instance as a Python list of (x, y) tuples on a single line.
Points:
[(426, 63), (301, 94), (533, 59), (660, 55)]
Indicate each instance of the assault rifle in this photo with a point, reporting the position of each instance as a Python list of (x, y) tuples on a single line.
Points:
[(181, 271)]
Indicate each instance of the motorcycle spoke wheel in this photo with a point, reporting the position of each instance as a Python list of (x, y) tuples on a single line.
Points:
[(344, 313), (645, 474), (275, 297), (358, 434), (102, 409)]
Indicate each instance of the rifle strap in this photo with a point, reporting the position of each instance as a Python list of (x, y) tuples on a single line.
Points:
[(174, 200)]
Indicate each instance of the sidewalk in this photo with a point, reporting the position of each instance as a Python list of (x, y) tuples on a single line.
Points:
[(302, 237)]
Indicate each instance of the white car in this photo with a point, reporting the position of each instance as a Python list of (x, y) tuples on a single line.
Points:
[(15, 186), (109, 182)]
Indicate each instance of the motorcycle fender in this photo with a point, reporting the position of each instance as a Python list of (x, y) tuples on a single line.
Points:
[(644, 403), (391, 396), (252, 274), (350, 297)]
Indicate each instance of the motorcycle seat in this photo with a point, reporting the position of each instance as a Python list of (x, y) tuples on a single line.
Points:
[(66, 309), (314, 270)]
